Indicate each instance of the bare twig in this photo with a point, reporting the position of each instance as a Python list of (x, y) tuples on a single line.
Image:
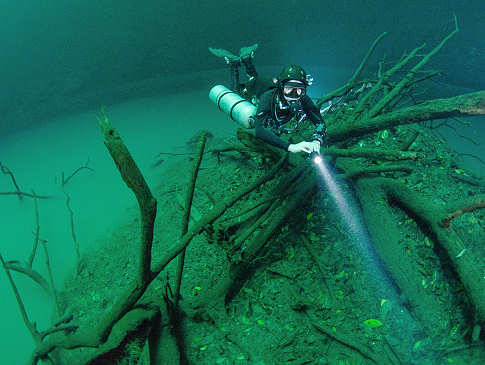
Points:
[(31, 273), (407, 144), (64, 181), (73, 231), (376, 170), (214, 150), (364, 61), (208, 195), (318, 266), (61, 328), (256, 205), (37, 231), (477, 202), (30, 325), (445, 124), (51, 277), (374, 153), (468, 179), (188, 205), (473, 156), (7, 171), (25, 194), (174, 154), (347, 342), (264, 212), (458, 348)]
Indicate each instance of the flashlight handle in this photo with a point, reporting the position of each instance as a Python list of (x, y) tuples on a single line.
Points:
[(311, 156)]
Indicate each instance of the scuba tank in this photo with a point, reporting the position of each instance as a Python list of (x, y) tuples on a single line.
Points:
[(239, 109)]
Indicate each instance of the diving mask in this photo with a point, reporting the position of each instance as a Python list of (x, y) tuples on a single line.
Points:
[(293, 90)]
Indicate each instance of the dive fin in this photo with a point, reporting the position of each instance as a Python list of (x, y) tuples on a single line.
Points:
[(219, 52), (245, 52)]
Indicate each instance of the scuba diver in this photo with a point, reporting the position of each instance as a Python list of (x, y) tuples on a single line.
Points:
[(279, 101)]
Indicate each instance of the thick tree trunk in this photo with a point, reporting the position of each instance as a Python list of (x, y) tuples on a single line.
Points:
[(388, 243), (470, 268), (375, 195)]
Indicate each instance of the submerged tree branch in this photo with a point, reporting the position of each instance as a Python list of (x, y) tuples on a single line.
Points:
[(187, 208), (477, 202), (7, 171), (21, 193), (374, 153), (462, 105)]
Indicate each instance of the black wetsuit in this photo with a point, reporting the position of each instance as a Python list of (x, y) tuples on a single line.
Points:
[(272, 115)]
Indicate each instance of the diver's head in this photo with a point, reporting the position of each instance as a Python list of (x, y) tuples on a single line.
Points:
[(292, 83)]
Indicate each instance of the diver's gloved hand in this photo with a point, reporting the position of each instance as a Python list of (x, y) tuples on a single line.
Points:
[(304, 146)]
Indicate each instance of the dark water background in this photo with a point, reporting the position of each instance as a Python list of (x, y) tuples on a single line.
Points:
[(149, 65), (67, 56)]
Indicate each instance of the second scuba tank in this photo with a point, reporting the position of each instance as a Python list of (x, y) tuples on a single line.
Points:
[(239, 109)]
